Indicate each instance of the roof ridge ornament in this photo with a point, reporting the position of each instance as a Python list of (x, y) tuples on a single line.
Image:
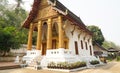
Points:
[(54, 2), (60, 11), (49, 2), (66, 11)]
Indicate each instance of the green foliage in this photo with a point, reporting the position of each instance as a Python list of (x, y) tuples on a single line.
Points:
[(118, 58), (106, 44), (10, 18), (97, 34), (109, 44), (3, 3), (94, 62), (11, 33), (8, 40), (66, 65), (19, 2)]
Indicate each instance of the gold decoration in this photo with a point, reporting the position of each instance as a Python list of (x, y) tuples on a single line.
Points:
[(64, 26), (39, 40), (72, 32), (29, 47)]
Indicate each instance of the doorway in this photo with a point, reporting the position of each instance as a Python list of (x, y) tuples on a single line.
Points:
[(44, 46)]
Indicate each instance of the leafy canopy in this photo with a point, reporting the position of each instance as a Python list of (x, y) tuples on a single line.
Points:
[(97, 34), (11, 33), (109, 44)]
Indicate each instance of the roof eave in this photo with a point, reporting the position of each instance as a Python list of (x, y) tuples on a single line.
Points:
[(32, 14)]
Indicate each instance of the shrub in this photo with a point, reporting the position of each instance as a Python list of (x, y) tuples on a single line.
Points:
[(118, 58), (66, 65), (78, 64), (94, 62), (83, 64), (51, 65)]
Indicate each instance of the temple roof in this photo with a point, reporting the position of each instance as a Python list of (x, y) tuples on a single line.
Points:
[(69, 15), (32, 14), (102, 48), (113, 50)]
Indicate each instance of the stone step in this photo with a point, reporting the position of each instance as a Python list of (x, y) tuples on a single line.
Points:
[(33, 63)]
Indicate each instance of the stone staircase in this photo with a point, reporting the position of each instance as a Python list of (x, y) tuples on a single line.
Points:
[(35, 61)]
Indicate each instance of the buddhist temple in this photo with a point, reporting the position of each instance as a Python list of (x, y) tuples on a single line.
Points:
[(61, 35)]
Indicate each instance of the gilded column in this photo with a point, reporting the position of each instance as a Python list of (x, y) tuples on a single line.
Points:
[(29, 47), (39, 37), (49, 34), (60, 32)]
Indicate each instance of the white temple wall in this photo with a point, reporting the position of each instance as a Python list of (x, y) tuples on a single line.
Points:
[(74, 37)]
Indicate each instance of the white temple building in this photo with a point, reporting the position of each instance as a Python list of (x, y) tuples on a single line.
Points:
[(61, 35)]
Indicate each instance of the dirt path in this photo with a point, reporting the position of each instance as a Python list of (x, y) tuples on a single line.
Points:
[(25, 70), (7, 64), (112, 67)]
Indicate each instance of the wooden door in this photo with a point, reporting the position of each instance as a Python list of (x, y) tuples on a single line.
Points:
[(44, 48), (54, 44)]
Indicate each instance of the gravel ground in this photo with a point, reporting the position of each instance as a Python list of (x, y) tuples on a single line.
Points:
[(112, 67)]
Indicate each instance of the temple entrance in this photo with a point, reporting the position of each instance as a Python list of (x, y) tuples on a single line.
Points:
[(44, 38), (44, 48), (54, 44), (55, 36)]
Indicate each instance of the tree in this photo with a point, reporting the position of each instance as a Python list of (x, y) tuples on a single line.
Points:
[(19, 2), (109, 44), (18, 6), (9, 16), (97, 34), (11, 34), (8, 40)]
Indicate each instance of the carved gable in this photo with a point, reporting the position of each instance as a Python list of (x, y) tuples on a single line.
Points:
[(45, 11), (43, 3)]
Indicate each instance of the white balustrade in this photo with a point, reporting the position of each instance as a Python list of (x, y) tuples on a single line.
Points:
[(30, 55)]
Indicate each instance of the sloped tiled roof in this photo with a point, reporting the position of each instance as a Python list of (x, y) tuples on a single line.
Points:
[(102, 48), (113, 49), (32, 14), (71, 16)]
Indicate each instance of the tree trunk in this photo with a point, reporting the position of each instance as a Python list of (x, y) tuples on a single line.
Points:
[(4, 54)]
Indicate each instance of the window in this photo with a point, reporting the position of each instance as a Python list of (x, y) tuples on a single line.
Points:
[(81, 44), (90, 50), (86, 45), (76, 47)]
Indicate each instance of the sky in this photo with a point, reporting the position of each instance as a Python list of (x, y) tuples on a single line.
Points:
[(103, 13)]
